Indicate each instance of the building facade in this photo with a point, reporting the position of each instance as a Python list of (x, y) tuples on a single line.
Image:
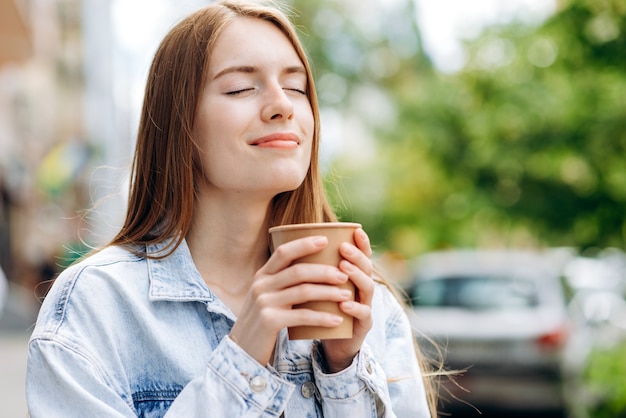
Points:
[(44, 143)]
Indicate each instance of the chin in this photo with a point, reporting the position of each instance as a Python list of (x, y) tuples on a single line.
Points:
[(288, 189), (282, 186), (287, 179)]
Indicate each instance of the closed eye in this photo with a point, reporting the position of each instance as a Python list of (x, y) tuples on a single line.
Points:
[(301, 91), (236, 92)]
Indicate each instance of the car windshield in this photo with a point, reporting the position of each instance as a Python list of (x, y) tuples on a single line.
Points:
[(476, 293)]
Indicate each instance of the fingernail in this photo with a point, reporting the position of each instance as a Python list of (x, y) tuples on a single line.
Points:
[(337, 319), (320, 240), (348, 249), (346, 293), (348, 304), (346, 266)]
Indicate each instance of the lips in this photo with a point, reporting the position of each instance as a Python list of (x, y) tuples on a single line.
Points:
[(277, 140)]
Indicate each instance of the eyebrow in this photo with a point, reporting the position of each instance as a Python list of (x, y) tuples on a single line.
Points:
[(250, 70)]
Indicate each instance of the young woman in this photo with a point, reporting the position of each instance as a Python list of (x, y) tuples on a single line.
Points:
[(184, 313)]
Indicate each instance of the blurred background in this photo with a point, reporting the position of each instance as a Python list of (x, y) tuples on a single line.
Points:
[(446, 125)]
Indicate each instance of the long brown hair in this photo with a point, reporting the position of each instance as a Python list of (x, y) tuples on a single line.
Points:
[(166, 161), (166, 164)]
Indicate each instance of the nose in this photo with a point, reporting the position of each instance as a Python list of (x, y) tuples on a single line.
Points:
[(278, 105)]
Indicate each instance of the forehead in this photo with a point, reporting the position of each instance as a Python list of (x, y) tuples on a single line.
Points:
[(252, 41)]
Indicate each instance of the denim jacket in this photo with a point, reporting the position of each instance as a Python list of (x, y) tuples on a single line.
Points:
[(120, 335)]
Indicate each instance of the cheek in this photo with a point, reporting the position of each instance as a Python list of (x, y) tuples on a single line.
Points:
[(214, 135), (307, 119), (307, 124), (214, 115), (209, 147), (205, 126)]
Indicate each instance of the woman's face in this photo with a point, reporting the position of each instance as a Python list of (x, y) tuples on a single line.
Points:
[(254, 121)]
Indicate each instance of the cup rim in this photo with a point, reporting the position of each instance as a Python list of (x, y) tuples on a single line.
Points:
[(315, 225)]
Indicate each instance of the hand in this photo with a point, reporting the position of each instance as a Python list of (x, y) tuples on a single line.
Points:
[(358, 266), (280, 284)]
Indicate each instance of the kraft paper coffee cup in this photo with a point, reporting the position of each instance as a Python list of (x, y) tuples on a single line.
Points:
[(336, 232)]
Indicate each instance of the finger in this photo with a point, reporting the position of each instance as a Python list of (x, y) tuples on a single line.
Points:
[(288, 252), (362, 315), (357, 257), (357, 310), (308, 292), (362, 241), (362, 281), (299, 273), (309, 317)]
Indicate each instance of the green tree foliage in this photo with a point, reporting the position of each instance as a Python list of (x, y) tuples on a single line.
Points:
[(524, 146), (604, 379), (547, 129)]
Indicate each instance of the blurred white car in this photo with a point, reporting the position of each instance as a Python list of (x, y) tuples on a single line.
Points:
[(501, 316)]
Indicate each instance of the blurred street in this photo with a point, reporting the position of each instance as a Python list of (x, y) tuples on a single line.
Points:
[(447, 126), (16, 322)]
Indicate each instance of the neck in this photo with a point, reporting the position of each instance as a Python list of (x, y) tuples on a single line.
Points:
[(228, 242)]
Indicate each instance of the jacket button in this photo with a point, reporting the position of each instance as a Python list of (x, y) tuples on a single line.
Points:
[(258, 384), (308, 389), (369, 367)]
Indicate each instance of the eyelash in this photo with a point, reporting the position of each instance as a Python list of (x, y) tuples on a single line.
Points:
[(298, 91), (236, 92)]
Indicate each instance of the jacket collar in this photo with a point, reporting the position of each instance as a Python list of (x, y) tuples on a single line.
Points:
[(175, 277)]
